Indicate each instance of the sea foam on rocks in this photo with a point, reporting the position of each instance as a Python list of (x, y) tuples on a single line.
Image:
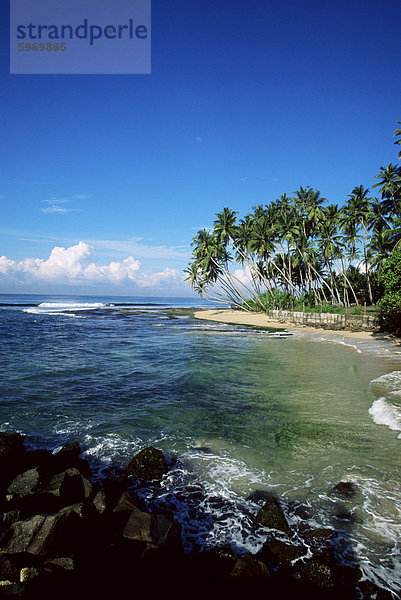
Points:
[(64, 534)]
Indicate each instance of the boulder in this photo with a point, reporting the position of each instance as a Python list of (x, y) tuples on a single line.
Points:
[(279, 554), (70, 486), (28, 573), (259, 496), (37, 535), (8, 518), (370, 591), (25, 484), (148, 464), (155, 529), (34, 458), (59, 564), (69, 452), (108, 495), (127, 502), (249, 566), (347, 489), (9, 589), (317, 573), (321, 534), (8, 568), (138, 526), (210, 565), (271, 515), (12, 454)]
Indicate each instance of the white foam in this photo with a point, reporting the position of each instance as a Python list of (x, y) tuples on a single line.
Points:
[(63, 308), (385, 413), (37, 311), (71, 305), (390, 382)]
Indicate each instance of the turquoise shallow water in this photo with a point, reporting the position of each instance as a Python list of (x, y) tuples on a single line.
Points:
[(235, 409)]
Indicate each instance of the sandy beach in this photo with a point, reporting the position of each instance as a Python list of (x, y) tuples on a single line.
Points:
[(262, 320)]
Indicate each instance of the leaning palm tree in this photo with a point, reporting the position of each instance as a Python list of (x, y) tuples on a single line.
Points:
[(359, 210), (330, 244)]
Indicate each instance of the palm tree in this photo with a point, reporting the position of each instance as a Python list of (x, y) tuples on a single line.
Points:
[(377, 217), (390, 182), (359, 210), (330, 245), (224, 225), (397, 133)]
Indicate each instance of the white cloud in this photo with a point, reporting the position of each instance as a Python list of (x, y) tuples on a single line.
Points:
[(57, 210), (171, 276), (115, 272), (55, 201), (244, 276), (71, 265), (65, 199), (6, 265)]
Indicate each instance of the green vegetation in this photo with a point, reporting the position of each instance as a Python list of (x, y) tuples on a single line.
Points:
[(302, 253), (390, 303)]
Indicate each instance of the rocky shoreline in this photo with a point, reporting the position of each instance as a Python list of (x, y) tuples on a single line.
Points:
[(64, 533)]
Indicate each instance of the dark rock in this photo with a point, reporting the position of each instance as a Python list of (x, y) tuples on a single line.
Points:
[(100, 501), (107, 497), (70, 486), (128, 502), (50, 464), (37, 458), (8, 569), (69, 452), (28, 573), (260, 496), (83, 467), (271, 515), (300, 510), (317, 573), (249, 566), (40, 503), (345, 515), (84, 510), (79, 464), (155, 529), (12, 454), (318, 534), (25, 484), (61, 563), (164, 532), (37, 535), (148, 464), (210, 565), (224, 553), (10, 589), (371, 591), (279, 554), (9, 517), (347, 489)]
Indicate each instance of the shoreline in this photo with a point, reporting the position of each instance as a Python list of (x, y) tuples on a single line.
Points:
[(261, 320)]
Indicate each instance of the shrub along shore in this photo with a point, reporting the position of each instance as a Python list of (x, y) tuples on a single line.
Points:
[(65, 533)]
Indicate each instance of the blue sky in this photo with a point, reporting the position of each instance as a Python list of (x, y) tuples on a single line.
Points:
[(247, 99)]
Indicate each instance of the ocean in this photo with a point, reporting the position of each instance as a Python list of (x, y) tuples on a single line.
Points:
[(235, 410)]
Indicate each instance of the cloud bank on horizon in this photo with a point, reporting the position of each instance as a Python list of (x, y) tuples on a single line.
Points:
[(72, 265)]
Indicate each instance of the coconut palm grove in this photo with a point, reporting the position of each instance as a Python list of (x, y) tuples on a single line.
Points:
[(302, 252)]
